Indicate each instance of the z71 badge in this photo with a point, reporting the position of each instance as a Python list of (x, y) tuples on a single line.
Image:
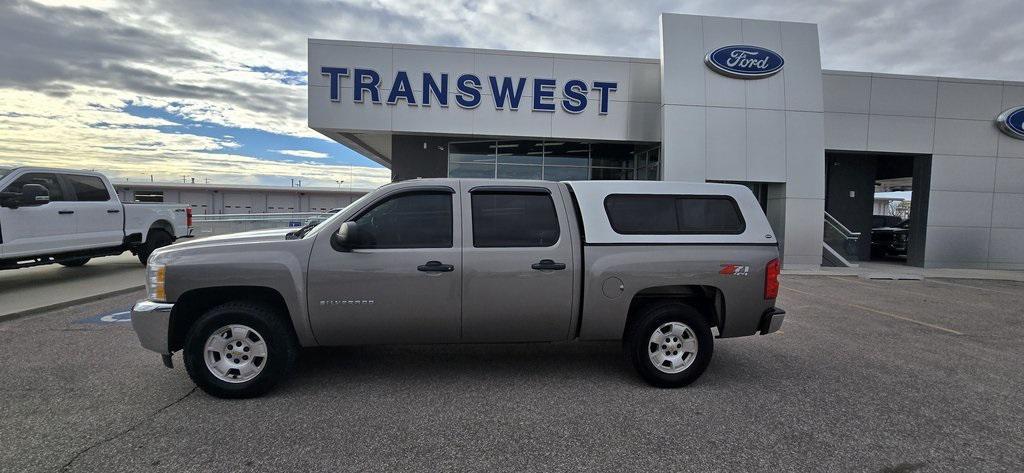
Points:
[(734, 270)]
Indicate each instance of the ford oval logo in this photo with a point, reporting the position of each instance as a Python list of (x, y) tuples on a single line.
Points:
[(1012, 122), (744, 62)]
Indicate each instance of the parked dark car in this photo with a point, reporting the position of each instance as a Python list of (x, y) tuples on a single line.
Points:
[(889, 236)]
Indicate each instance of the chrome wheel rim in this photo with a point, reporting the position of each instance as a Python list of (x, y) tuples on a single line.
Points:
[(235, 353), (672, 347)]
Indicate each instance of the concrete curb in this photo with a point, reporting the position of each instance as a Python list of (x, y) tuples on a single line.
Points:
[(61, 305), (981, 275)]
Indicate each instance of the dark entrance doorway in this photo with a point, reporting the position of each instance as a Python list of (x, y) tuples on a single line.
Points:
[(863, 193)]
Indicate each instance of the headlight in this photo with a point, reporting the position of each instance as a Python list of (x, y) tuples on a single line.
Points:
[(155, 276)]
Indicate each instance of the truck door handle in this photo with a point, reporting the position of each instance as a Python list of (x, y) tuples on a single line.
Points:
[(65, 212), (436, 266), (113, 211), (547, 264)]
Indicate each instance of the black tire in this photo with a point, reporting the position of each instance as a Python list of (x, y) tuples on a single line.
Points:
[(157, 238), (74, 263), (281, 346), (637, 344)]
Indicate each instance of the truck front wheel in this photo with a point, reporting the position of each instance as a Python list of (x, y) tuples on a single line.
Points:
[(669, 344), (239, 350)]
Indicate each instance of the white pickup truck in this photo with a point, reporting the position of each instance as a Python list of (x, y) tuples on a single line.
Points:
[(68, 217)]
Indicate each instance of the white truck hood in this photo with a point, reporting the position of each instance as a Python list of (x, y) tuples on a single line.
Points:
[(242, 237)]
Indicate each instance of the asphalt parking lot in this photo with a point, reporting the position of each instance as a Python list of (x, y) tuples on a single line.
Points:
[(864, 376)]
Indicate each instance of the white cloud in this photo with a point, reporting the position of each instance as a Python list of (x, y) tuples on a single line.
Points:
[(129, 148), (69, 69), (302, 153)]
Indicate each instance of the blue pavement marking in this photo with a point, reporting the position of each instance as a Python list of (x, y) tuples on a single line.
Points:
[(108, 318)]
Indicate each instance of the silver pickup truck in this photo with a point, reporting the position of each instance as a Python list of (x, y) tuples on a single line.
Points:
[(665, 267)]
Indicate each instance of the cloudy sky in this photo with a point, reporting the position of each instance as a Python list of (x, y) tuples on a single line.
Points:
[(217, 90)]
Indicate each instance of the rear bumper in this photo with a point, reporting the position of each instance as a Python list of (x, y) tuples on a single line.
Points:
[(152, 323), (771, 320)]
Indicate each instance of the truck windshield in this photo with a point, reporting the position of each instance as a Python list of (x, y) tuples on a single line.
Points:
[(4, 172)]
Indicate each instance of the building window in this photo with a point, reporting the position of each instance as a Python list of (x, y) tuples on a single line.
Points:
[(552, 160), (149, 196), (474, 159)]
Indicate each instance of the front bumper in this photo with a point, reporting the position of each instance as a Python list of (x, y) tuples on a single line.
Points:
[(771, 320), (152, 323)]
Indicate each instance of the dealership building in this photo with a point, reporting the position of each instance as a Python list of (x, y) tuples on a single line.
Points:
[(729, 100)]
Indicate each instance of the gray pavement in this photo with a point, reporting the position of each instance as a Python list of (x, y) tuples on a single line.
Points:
[(864, 376), (28, 290)]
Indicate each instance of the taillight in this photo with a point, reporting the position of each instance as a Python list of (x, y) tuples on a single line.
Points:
[(771, 279), (188, 216)]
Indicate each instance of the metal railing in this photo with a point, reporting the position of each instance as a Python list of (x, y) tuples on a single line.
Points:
[(221, 224), (842, 240)]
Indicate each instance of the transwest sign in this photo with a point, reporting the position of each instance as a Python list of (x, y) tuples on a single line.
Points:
[(507, 93)]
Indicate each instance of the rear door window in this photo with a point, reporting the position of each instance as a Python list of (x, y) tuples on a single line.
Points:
[(88, 188), (514, 219), (634, 214)]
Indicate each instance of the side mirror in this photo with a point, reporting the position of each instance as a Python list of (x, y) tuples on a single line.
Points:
[(31, 195), (34, 194), (347, 237)]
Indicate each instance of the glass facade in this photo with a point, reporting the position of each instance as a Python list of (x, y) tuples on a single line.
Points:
[(553, 160)]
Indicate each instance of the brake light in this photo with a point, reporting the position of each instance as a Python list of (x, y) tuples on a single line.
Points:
[(771, 279), (188, 216)]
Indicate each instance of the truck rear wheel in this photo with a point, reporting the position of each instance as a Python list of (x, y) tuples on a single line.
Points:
[(670, 344), (239, 350), (74, 263), (157, 238)]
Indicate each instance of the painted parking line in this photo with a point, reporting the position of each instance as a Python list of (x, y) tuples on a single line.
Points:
[(882, 312), (119, 317), (908, 319), (876, 286)]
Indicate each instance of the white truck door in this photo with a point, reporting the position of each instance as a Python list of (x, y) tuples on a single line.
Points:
[(39, 230), (98, 212)]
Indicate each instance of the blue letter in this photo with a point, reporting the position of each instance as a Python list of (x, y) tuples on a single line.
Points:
[(430, 87), (605, 88), (575, 93), (373, 86), (469, 91), (333, 73), (401, 89), (506, 92), (543, 89)]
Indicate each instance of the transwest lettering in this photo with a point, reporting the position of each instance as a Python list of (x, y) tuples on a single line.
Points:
[(506, 93)]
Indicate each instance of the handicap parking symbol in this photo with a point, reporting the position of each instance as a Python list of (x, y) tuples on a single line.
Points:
[(108, 318)]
